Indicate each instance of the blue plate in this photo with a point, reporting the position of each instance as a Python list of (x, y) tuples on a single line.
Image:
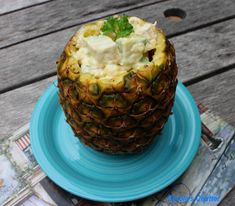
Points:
[(113, 178)]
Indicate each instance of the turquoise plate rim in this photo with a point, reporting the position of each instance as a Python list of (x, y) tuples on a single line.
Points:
[(60, 180)]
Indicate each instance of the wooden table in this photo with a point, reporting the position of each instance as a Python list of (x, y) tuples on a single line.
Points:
[(33, 34)]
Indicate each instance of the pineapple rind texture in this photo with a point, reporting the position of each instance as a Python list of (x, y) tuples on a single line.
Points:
[(121, 116)]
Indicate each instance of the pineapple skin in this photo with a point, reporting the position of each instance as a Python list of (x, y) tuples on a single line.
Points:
[(122, 118)]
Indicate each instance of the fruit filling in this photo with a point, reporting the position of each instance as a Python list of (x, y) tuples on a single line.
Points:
[(110, 48)]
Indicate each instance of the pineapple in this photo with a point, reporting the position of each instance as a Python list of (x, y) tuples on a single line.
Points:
[(117, 82)]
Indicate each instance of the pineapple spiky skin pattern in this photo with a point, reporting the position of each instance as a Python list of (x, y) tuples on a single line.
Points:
[(122, 117)]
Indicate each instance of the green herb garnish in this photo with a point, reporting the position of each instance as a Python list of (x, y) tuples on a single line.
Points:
[(117, 27)]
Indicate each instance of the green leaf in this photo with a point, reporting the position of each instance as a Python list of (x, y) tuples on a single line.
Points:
[(117, 27)]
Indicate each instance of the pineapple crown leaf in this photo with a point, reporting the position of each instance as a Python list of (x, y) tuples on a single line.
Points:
[(117, 27)]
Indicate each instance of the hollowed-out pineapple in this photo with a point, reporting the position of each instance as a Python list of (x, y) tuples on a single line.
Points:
[(117, 87)]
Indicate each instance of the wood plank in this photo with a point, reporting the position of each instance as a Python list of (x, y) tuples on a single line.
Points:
[(199, 13), (9, 6), (218, 94), (58, 15), (16, 106), (199, 52), (205, 50)]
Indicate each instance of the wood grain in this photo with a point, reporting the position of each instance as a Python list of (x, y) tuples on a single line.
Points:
[(58, 15), (199, 14), (205, 50), (217, 93), (197, 52), (9, 6), (16, 106)]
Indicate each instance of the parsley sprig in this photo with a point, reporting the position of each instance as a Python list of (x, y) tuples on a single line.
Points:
[(117, 27)]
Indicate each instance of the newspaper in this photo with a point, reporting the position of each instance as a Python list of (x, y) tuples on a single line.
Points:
[(208, 179)]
